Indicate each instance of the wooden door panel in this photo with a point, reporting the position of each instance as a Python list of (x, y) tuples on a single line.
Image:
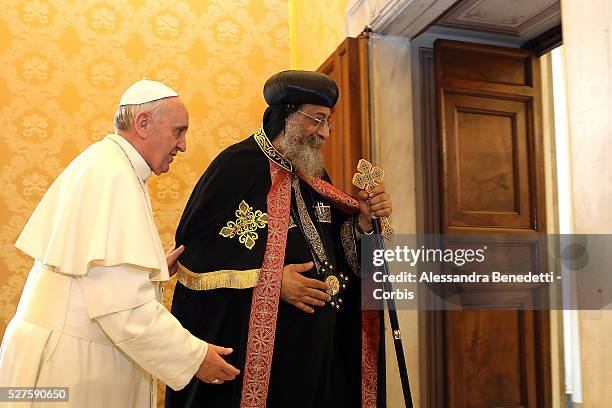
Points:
[(497, 66), (487, 162), (491, 182), (481, 379), (505, 254)]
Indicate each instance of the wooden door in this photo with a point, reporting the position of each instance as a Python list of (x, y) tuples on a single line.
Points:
[(350, 133), (491, 182)]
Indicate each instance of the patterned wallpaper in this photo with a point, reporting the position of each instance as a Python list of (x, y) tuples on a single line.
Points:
[(65, 65), (317, 28)]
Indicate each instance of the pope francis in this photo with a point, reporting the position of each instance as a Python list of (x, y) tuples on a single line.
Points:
[(89, 318)]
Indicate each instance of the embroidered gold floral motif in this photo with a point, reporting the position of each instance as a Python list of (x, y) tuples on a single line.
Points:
[(246, 225), (269, 150)]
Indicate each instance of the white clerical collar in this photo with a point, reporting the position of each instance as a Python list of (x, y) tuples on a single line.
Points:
[(140, 165)]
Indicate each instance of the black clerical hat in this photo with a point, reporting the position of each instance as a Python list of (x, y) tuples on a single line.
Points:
[(300, 87)]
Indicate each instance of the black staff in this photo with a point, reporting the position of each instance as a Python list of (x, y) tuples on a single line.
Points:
[(366, 179)]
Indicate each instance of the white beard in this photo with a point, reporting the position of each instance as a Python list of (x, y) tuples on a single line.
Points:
[(303, 151)]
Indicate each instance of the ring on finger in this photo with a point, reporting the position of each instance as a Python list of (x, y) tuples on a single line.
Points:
[(215, 381)]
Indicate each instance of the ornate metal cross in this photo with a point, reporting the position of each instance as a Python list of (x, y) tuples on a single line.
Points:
[(366, 178)]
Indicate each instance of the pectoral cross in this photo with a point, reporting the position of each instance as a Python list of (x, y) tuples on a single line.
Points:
[(323, 212)]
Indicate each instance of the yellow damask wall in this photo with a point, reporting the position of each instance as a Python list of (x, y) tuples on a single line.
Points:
[(317, 28), (65, 64)]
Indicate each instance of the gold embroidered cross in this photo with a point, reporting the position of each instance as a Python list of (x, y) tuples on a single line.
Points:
[(245, 226), (367, 176)]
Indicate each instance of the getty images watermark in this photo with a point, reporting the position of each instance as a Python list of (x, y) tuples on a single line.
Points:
[(527, 271)]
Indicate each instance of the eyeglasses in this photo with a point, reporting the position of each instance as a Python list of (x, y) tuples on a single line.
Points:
[(321, 123)]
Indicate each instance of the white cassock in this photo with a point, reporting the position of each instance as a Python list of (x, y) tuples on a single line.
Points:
[(89, 317)]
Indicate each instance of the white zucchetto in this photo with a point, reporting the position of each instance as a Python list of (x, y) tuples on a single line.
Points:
[(145, 91)]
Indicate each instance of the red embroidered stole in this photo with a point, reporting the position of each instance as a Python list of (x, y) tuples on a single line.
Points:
[(266, 295)]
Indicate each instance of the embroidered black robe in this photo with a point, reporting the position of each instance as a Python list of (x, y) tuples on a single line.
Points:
[(317, 357)]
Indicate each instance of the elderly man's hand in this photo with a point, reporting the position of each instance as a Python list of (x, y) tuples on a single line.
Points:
[(214, 369), (171, 257), (377, 202), (301, 291)]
